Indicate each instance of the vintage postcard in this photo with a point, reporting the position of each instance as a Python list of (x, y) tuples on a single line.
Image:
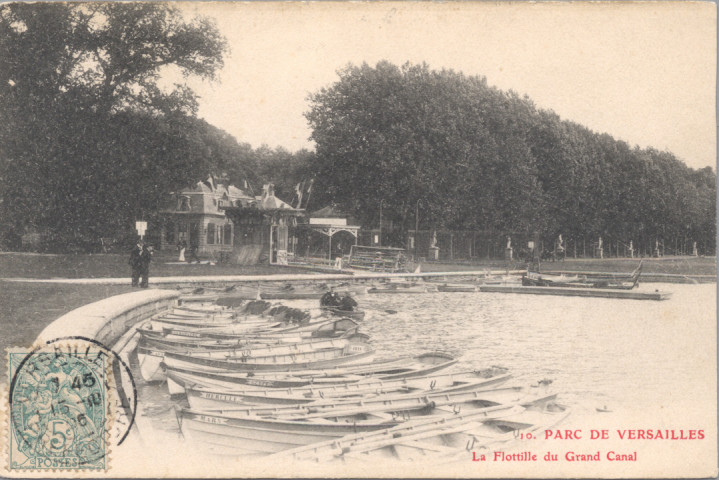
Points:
[(358, 239)]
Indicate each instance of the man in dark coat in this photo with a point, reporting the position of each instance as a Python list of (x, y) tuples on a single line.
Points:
[(145, 259), (136, 262), (140, 258)]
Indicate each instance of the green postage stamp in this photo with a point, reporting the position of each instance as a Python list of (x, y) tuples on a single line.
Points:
[(58, 404)]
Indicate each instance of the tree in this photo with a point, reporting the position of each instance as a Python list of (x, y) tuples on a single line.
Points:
[(78, 81), (483, 159), (401, 134), (108, 56)]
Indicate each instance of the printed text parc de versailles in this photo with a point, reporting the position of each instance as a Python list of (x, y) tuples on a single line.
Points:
[(570, 456)]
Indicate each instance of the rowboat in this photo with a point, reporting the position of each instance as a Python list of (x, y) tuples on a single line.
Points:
[(228, 435), (354, 351), (151, 358), (349, 288), (291, 292), (199, 310), (447, 437), (408, 405), (613, 281), (391, 369), (157, 324), (394, 289), (154, 339), (203, 398), (353, 314), (456, 288), (274, 332), (235, 433)]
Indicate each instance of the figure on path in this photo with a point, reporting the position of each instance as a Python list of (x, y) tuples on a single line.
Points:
[(193, 254), (145, 259), (181, 247), (136, 262)]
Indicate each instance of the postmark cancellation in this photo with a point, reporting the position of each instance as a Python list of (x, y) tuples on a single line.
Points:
[(59, 407)]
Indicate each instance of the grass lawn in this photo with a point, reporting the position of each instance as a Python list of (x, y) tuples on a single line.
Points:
[(115, 265), (28, 308)]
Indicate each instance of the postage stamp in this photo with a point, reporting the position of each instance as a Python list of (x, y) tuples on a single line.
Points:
[(60, 407)]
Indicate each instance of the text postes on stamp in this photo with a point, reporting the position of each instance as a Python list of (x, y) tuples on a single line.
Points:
[(69, 402)]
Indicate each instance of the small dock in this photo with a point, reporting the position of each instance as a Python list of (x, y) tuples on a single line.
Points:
[(577, 292)]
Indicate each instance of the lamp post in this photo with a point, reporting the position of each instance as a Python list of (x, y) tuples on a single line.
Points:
[(416, 228), (379, 243)]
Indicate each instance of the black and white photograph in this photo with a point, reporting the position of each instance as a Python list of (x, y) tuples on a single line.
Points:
[(284, 239)]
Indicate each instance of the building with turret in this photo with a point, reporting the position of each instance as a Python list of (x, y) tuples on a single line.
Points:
[(228, 223)]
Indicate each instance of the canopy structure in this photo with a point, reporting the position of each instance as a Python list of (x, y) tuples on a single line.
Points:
[(328, 221)]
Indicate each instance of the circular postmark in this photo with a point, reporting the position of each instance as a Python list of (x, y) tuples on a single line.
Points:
[(70, 400)]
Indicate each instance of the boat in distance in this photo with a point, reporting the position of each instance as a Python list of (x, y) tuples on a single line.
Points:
[(608, 281)]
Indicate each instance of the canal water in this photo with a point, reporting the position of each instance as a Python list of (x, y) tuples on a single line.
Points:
[(644, 361)]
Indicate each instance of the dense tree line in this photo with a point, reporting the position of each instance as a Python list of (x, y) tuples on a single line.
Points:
[(89, 139), (478, 158)]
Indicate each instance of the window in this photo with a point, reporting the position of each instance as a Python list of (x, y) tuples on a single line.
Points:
[(183, 203), (210, 233)]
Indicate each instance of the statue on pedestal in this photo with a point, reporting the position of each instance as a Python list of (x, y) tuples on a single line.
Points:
[(509, 251)]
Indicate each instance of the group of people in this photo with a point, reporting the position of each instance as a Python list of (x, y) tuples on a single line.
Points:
[(141, 256), (333, 299)]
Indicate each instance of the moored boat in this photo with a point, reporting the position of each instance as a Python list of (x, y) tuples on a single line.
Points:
[(151, 358), (353, 314), (353, 352), (596, 280), (201, 398), (237, 432), (448, 438), (456, 288)]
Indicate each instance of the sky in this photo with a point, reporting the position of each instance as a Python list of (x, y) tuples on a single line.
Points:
[(643, 72)]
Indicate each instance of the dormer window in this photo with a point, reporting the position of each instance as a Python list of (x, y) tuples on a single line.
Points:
[(183, 203)]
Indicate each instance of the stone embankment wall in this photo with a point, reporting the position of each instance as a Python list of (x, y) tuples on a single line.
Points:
[(109, 319)]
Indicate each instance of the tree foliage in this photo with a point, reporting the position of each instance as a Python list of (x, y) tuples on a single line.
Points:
[(90, 138), (479, 158)]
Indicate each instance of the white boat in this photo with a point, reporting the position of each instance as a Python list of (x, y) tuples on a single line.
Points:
[(389, 369), (445, 438), (151, 357), (406, 405), (237, 434), (203, 398)]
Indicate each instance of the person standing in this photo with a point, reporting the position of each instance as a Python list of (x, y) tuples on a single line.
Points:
[(193, 255), (136, 262), (145, 259), (181, 247)]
